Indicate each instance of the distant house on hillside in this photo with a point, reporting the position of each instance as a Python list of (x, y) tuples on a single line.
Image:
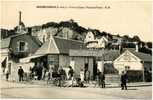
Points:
[(102, 42), (63, 32), (116, 42), (44, 34), (66, 33), (92, 42)]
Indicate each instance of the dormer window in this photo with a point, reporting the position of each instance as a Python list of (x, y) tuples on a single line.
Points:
[(22, 46)]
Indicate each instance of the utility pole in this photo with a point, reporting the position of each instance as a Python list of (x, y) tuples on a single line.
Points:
[(143, 71)]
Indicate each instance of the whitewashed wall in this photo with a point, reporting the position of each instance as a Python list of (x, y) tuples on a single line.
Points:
[(120, 66), (15, 67), (92, 45), (89, 37), (128, 59)]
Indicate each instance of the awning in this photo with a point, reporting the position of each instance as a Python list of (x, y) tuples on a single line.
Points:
[(2, 58), (27, 59)]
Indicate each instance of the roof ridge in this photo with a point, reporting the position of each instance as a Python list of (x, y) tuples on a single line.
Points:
[(138, 52), (67, 39)]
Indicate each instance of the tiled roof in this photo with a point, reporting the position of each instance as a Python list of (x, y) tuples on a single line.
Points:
[(5, 43), (45, 48), (36, 40), (111, 55), (58, 45), (142, 56), (64, 45)]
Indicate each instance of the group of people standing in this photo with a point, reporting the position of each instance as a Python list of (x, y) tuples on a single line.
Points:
[(20, 74), (60, 76)]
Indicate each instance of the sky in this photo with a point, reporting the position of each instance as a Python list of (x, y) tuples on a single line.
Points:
[(123, 17)]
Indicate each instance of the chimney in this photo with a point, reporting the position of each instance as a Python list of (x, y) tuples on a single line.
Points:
[(136, 47), (20, 17)]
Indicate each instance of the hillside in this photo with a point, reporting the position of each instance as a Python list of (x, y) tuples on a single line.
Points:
[(72, 30)]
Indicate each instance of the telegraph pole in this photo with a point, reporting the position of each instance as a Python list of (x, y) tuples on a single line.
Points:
[(143, 71)]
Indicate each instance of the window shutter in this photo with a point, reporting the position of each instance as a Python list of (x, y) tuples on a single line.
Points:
[(26, 46), (18, 46)]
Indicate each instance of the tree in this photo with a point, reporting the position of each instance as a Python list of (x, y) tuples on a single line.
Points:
[(136, 38), (145, 50), (50, 24), (118, 35), (125, 37), (104, 33), (149, 44)]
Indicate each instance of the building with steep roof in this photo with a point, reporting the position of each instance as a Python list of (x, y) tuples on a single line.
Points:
[(132, 60), (54, 53), (14, 48)]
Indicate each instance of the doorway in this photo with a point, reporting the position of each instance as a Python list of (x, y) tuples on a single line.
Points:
[(94, 69)]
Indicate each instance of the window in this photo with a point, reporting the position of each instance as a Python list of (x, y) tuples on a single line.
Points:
[(21, 46), (115, 40), (127, 67)]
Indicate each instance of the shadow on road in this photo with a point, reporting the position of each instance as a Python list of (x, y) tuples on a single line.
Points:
[(132, 89)]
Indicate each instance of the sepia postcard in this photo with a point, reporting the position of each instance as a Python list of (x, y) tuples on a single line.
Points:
[(75, 49)]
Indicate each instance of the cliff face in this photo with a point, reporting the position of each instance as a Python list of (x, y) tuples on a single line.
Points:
[(64, 29)]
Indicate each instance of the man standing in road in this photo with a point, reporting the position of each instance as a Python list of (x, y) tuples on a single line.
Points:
[(20, 73), (103, 80), (123, 81), (98, 78)]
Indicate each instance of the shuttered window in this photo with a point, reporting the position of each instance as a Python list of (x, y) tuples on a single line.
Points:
[(22, 46)]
